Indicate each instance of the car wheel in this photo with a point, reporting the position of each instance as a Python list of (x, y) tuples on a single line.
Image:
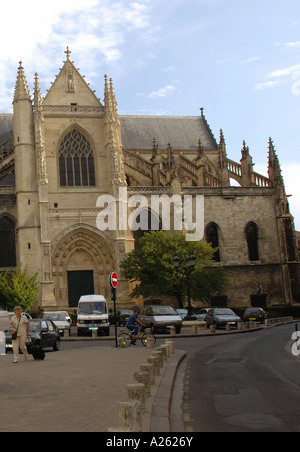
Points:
[(56, 346)]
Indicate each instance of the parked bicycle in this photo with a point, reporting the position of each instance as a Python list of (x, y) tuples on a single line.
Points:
[(128, 338)]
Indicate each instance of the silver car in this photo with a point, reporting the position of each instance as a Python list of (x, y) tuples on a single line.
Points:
[(221, 317), (160, 318)]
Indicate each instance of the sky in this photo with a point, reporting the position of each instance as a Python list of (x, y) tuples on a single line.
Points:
[(238, 59)]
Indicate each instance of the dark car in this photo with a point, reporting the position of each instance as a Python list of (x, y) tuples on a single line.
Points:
[(255, 315), (221, 317), (43, 334), (122, 317)]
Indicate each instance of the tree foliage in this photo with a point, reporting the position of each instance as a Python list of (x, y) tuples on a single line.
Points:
[(151, 267), (18, 289)]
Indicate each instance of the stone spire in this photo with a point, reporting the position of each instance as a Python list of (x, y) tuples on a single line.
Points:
[(21, 89), (223, 161)]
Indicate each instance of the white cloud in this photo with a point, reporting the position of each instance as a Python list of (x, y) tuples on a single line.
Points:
[(163, 92), (285, 72), (266, 85)]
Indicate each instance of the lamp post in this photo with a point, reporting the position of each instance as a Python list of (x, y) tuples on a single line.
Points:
[(187, 269)]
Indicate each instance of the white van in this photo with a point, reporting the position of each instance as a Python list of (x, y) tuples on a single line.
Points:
[(92, 315), (4, 321)]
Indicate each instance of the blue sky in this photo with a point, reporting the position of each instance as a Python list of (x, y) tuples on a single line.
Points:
[(240, 60)]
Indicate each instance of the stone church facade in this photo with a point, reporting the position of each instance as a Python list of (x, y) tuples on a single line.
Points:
[(58, 154)]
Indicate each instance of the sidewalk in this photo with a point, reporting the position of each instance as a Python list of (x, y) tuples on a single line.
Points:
[(71, 391)]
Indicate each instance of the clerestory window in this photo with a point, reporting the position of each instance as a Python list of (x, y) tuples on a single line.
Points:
[(76, 161)]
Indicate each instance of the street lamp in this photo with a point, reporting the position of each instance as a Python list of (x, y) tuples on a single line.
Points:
[(187, 269)]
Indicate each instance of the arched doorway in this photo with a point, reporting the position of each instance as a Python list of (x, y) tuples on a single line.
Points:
[(82, 261)]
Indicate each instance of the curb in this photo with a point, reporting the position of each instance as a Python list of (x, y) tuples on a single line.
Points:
[(160, 416)]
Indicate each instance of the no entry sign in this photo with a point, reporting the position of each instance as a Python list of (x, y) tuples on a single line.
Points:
[(114, 280)]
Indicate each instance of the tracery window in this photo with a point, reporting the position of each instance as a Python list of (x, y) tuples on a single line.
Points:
[(76, 161), (252, 241), (7, 243)]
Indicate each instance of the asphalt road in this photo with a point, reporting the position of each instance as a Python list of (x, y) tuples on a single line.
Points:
[(239, 383)]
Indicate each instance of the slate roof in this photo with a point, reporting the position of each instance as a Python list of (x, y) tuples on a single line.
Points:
[(138, 132), (183, 132)]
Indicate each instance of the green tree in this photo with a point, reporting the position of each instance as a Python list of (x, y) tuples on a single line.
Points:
[(151, 267), (18, 289)]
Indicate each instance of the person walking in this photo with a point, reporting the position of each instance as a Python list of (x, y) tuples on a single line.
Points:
[(20, 326)]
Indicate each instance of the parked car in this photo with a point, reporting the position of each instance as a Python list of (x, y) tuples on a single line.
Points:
[(28, 316), (182, 313), (43, 334), (122, 317), (61, 319), (221, 317), (160, 318), (255, 314), (4, 321), (200, 315)]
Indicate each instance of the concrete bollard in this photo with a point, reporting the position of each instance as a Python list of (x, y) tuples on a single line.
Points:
[(144, 378), (247, 326), (94, 334), (163, 349), (160, 356), (172, 330), (130, 416), (150, 369), (240, 326), (171, 345), (150, 342), (228, 327), (251, 325), (155, 361), (213, 329), (137, 392), (195, 330), (2, 344), (168, 351)]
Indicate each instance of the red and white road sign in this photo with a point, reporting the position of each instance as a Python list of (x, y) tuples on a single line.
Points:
[(114, 280)]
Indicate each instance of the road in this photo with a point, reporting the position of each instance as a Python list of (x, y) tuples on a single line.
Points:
[(239, 383)]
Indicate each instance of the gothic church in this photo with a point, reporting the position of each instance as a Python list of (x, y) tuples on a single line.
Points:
[(58, 154)]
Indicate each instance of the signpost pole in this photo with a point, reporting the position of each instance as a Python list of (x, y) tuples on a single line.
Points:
[(114, 284)]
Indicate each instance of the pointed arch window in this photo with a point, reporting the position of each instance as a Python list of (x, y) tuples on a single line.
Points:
[(76, 161), (252, 237), (7, 243), (212, 237)]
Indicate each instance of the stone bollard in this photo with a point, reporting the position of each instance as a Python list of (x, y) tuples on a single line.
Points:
[(150, 369), (160, 356), (144, 378), (251, 325), (228, 327), (150, 342), (67, 334), (136, 392), (171, 345), (240, 326), (130, 416), (247, 326), (172, 330), (2, 344), (195, 330), (213, 329), (163, 349), (94, 334), (155, 361), (168, 351)]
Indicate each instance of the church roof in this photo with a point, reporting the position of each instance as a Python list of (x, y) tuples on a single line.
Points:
[(138, 132), (182, 132)]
